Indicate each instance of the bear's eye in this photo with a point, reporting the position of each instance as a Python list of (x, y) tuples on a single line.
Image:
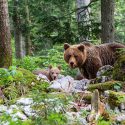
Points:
[(69, 56), (75, 56), (52, 72)]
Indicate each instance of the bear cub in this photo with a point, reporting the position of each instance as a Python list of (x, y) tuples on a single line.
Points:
[(51, 73), (89, 58)]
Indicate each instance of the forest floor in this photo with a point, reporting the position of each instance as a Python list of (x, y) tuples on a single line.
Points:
[(28, 99)]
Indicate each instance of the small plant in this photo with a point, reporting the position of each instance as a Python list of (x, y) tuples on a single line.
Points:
[(102, 121), (117, 87), (29, 63)]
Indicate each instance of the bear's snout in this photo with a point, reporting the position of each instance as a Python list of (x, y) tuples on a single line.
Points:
[(72, 64)]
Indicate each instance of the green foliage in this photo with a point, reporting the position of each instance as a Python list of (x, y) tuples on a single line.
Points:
[(16, 82), (116, 98), (5, 119), (118, 72), (29, 63), (117, 86), (119, 21), (9, 75), (16, 75), (102, 121), (50, 108)]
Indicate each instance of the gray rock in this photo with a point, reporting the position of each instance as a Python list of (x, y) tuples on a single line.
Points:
[(101, 76), (68, 84), (4, 123), (21, 116), (75, 118), (120, 117), (64, 84), (60, 76), (41, 77), (25, 101), (122, 106), (28, 111), (3, 108), (103, 69), (116, 110), (82, 84), (87, 108), (14, 107)]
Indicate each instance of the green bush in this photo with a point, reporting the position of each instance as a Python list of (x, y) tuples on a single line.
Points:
[(29, 63)]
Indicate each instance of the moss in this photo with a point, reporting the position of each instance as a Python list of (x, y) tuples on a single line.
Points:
[(38, 107), (11, 93), (87, 98), (119, 69), (84, 96), (28, 76), (40, 86), (116, 98), (1, 101), (123, 122), (104, 86), (60, 95)]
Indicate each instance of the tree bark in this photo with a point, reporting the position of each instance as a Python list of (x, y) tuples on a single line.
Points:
[(82, 18), (107, 21), (5, 37), (27, 35), (17, 31)]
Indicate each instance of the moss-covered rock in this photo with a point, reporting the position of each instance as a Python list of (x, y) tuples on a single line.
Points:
[(104, 86), (83, 96), (115, 98), (119, 69), (28, 77)]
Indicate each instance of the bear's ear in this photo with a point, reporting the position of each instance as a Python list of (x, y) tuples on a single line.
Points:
[(59, 67), (66, 46), (81, 47), (50, 67)]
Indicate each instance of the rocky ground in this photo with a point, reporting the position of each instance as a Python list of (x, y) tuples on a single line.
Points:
[(99, 101)]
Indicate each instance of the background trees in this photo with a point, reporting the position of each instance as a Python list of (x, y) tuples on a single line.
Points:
[(5, 38), (45, 23), (107, 20), (18, 35)]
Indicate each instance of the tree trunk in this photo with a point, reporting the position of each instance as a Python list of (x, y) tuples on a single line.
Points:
[(5, 37), (107, 20), (27, 35), (17, 31), (82, 18)]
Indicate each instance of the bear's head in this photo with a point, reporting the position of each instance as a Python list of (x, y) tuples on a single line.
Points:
[(54, 72), (74, 55)]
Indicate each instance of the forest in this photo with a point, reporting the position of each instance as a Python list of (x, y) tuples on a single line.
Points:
[(62, 62)]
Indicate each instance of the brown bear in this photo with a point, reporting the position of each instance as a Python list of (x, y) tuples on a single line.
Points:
[(51, 73), (89, 58)]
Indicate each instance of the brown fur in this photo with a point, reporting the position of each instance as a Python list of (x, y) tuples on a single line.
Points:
[(89, 58), (52, 73)]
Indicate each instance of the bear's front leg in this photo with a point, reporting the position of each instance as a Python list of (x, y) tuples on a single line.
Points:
[(93, 67), (84, 72)]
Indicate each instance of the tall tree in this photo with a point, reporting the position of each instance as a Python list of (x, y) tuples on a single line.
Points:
[(5, 37), (82, 17), (107, 20), (27, 33), (17, 30)]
